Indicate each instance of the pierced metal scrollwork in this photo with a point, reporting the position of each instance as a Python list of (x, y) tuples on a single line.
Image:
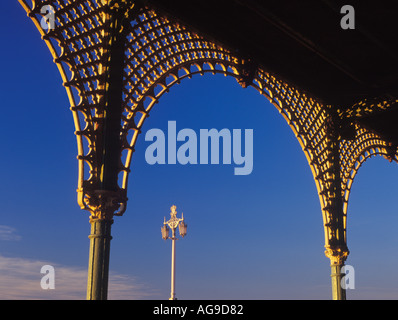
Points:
[(159, 53)]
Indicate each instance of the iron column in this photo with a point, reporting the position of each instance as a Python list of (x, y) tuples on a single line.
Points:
[(100, 240), (106, 199)]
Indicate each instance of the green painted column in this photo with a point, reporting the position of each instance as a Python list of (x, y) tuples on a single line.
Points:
[(98, 270), (338, 292), (338, 256), (104, 201)]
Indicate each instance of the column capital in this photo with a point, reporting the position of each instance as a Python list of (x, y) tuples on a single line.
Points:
[(104, 204), (337, 255)]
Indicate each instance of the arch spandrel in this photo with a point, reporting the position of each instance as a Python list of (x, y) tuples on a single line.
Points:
[(160, 53), (366, 142)]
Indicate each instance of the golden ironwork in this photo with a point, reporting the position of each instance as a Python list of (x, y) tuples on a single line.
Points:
[(158, 53)]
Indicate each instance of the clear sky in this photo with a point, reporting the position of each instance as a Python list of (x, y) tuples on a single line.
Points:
[(258, 236)]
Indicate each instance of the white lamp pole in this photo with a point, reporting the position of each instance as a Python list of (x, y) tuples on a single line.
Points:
[(172, 224)]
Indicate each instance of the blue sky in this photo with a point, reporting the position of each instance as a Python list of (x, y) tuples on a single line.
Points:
[(258, 236)]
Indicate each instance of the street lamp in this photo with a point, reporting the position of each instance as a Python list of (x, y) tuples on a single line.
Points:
[(172, 224)]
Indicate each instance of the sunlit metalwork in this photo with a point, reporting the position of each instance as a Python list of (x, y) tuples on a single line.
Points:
[(117, 58)]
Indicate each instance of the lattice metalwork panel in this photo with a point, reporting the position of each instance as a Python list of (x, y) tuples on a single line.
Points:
[(159, 53)]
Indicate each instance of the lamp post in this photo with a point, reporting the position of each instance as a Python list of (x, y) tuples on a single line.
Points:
[(172, 224)]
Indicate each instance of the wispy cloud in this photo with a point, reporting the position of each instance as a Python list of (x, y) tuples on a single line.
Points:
[(8, 234), (125, 287), (20, 279)]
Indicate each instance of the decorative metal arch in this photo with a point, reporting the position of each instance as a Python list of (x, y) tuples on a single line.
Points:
[(101, 47)]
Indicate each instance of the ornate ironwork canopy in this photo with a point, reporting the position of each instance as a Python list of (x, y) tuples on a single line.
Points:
[(337, 89)]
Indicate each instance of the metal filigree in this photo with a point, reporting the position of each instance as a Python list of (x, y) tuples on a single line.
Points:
[(159, 53)]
